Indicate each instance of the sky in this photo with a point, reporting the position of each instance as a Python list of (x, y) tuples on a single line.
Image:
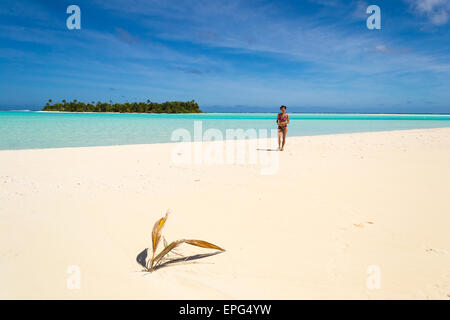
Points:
[(229, 55)]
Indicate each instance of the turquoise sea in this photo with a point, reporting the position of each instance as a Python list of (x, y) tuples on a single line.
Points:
[(30, 130)]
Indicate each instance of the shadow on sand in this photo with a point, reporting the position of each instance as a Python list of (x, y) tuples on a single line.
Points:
[(141, 259), (267, 149), (183, 260)]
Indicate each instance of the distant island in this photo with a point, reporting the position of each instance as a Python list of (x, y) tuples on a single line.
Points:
[(133, 107)]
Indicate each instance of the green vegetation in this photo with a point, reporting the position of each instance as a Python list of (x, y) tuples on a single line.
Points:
[(135, 107)]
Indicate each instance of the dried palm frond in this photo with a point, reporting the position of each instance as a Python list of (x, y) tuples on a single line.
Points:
[(174, 244), (156, 235), (168, 248), (203, 244)]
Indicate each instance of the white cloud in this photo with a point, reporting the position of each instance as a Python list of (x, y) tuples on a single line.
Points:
[(437, 11), (360, 10), (439, 18), (382, 48), (330, 3)]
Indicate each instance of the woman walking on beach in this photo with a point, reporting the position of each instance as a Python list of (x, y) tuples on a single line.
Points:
[(282, 122)]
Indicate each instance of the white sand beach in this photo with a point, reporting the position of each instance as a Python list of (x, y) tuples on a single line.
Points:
[(350, 216)]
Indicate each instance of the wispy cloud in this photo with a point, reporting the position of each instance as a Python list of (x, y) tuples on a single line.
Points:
[(125, 36), (330, 3), (24, 9), (437, 11), (360, 9), (264, 29)]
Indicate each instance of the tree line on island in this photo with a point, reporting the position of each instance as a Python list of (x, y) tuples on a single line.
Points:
[(127, 107)]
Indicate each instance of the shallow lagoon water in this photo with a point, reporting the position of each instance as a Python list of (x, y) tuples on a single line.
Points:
[(31, 130)]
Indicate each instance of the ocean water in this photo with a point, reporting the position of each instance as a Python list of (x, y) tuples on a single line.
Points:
[(30, 130)]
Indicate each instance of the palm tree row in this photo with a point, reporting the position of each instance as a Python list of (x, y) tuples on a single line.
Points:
[(134, 107)]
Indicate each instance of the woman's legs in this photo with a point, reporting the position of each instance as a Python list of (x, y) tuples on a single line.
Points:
[(284, 138), (279, 139)]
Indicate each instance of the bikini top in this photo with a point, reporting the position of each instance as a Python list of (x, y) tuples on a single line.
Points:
[(282, 119)]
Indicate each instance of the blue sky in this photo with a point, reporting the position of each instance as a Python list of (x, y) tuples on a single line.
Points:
[(252, 55)]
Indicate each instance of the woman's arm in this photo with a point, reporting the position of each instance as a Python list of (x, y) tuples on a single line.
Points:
[(283, 123)]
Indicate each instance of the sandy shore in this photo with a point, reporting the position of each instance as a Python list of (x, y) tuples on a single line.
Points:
[(362, 216)]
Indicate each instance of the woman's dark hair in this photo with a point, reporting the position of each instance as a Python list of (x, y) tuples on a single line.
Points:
[(283, 107)]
